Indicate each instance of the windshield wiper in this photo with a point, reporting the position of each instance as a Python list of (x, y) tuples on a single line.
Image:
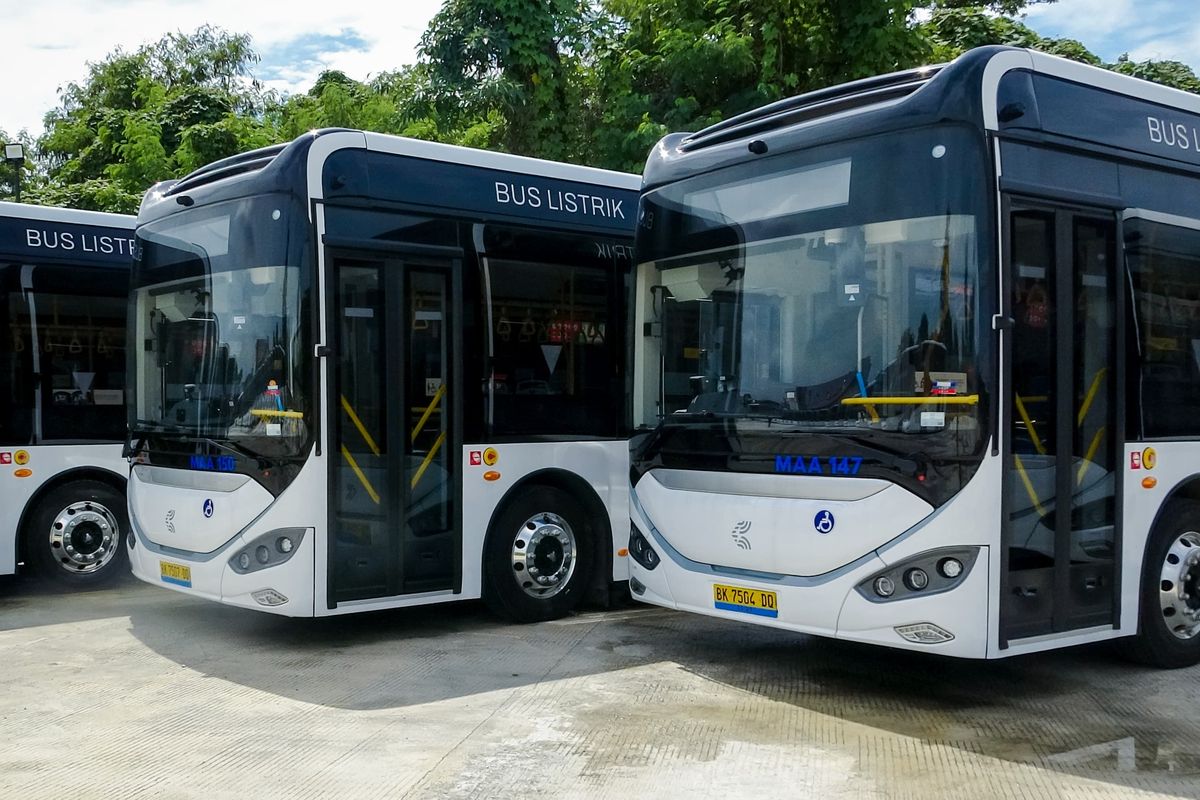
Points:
[(156, 426), (193, 436)]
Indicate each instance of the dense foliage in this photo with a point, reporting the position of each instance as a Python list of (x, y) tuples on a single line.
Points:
[(588, 81)]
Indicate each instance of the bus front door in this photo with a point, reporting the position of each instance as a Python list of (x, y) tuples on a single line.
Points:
[(1062, 363), (395, 441)]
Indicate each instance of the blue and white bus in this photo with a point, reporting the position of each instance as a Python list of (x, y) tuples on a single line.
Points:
[(921, 356), (371, 372), (64, 282)]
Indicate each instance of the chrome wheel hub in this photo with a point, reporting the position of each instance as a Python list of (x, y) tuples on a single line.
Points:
[(543, 555), (84, 537), (1179, 586)]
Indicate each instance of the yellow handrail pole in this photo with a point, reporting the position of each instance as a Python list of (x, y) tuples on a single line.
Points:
[(1091, 395), (362, 429), (920, 400), (361, 476), (437, 398), (1087, 460), (1028, 485), (437, 445), (266, 412), (1037, 442)]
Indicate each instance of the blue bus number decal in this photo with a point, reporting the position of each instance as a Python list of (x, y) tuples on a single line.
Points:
[(812, 465), (214, 464)]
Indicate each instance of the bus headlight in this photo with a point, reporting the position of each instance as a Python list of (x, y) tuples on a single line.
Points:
[(927, 573), (267, 550), (916, 579), (950, 568), (640, 549)]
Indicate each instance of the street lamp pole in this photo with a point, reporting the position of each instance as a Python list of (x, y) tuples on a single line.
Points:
[(15, 155)]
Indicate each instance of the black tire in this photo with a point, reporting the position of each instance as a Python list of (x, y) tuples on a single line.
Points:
[(69, 537), (534, 519), (1155, 643)]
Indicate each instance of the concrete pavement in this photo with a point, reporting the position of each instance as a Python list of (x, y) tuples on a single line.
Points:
[(138, 693)]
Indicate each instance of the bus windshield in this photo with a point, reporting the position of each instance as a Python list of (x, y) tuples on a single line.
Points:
[(828, 291), (217, 322)]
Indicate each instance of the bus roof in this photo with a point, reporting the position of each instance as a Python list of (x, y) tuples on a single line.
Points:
[(297, 167), (995, 88), (65, 215)]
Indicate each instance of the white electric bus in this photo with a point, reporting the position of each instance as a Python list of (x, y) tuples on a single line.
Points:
[(370, 372), (922, 357), (64, 280)]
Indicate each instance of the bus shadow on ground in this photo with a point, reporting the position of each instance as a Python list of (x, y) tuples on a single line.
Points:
[(1082, 711), (366, 661), (27, 601)]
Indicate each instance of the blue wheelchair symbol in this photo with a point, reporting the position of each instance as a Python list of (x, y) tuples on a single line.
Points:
[(823, 522), (208, 509)]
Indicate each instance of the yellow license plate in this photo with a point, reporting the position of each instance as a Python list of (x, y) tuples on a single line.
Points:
[(747, 601), (178, 574)]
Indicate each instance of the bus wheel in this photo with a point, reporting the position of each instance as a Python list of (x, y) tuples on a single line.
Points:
[(1169, 629), (75, 535), (537, 561)]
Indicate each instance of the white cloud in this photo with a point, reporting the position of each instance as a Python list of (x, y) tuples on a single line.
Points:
[(1158, 29), (47, 44)]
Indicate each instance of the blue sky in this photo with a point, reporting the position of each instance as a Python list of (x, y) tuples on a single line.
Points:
[(47, 43), (1145, 29)]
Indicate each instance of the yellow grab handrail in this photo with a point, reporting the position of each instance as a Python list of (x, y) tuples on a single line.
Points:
[(1029, 485), (437, 445), (362, 478), (1037, 441), (362, 429), (920, 400), (1091, 395), (437, 398)]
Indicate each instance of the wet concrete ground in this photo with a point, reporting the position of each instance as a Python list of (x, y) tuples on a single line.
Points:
[(136, 692)]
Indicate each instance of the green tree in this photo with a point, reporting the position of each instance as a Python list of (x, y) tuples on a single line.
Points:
[(141, 117), (1169, 73), (512, 68), (30, 179), (682, 64)]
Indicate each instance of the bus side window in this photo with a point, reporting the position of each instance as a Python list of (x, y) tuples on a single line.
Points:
[(552, 349), (1163, 262), (16, 361), (81, 334)]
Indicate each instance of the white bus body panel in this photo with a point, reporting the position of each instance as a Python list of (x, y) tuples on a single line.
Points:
[(1176, 463), (192, 510), (251, 513), (47, 462), (776, 515), (829, 604), (604, 465)]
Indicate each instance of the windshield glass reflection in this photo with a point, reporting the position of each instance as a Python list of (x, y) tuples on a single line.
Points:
[(822, 302), (865, 325), (216, 316)]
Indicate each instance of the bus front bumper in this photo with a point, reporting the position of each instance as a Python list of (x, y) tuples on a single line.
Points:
[(284, 588), (827, 605)]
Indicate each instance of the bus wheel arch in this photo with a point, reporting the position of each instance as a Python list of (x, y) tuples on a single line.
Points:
[(560, 513), (78, 502), (1169, 581)]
